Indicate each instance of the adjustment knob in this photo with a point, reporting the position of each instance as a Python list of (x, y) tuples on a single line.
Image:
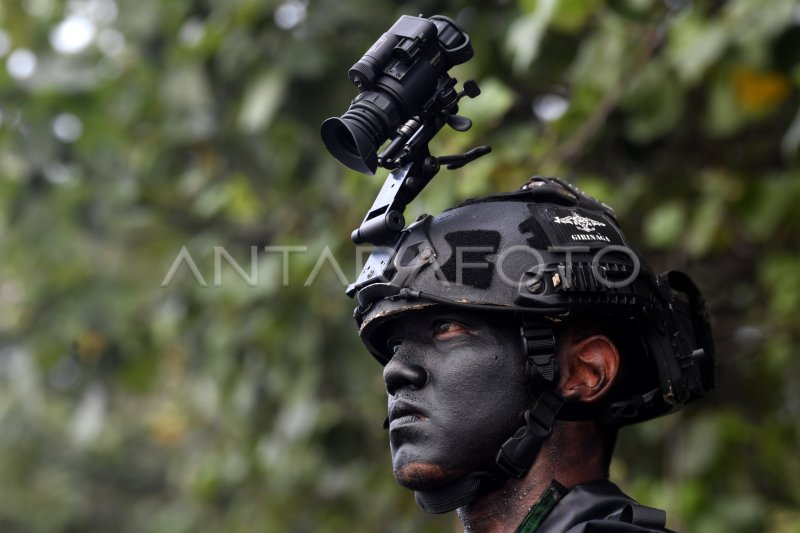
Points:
[(459, 123), (471, 89)]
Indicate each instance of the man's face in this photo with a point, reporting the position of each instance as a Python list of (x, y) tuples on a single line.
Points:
[(457, 390)]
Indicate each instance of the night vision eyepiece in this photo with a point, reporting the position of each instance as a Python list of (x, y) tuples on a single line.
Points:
[(401, 78)]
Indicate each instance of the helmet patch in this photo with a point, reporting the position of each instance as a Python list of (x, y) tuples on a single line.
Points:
[(535, 236), (571, 226), (469, 263)]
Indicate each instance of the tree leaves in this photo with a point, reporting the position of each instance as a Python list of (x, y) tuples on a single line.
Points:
[(248, 399)]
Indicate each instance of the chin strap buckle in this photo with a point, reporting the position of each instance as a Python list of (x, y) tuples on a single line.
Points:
[(540, 346), (517, 454)]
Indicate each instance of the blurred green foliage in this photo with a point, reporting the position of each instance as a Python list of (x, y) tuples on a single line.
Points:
[(130, 130)]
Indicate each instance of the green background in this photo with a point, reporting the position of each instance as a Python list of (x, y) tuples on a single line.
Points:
[(236, 406)]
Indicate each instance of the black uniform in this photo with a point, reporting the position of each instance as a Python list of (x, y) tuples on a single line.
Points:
[(595, 507)]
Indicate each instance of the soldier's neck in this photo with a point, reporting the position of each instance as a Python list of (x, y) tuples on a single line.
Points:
[(573, 455)]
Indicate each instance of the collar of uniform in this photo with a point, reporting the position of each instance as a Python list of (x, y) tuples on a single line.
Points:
[(554, 492), (596, 500)]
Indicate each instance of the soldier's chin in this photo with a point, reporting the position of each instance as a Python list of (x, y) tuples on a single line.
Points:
[(425, 476)]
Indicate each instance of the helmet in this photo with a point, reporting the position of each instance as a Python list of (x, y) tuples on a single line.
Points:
[(544, 255), (549, 252)]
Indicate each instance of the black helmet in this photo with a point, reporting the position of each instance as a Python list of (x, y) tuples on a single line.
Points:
[(546, 254)]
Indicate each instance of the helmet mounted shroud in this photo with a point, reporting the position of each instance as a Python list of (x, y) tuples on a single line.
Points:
[(545, 254)]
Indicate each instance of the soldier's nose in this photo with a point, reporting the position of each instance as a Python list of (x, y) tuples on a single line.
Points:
[(399, 374)]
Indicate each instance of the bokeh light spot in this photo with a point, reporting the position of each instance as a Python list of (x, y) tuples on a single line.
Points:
[(102, 11), (67, 127), (21, 64), (550, 107), (289, 14), (73, 34), (192, 32), (111, 42), (39, 8)]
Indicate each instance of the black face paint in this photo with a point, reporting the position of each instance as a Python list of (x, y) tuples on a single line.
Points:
[(457, 389)]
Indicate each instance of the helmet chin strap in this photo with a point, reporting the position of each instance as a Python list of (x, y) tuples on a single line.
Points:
[(517, 454)]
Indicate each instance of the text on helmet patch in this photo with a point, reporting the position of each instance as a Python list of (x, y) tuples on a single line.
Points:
[(566, 226)]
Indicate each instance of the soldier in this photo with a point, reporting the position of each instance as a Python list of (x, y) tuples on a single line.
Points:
[(518, 333)]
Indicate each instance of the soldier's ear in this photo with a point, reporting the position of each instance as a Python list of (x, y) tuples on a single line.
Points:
[(588, 368)]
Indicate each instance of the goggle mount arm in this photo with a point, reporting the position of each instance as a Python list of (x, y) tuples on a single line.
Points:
[(412, 164)]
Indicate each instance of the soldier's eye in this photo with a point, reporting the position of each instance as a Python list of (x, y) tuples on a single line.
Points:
[(393, 346), (447, 328)]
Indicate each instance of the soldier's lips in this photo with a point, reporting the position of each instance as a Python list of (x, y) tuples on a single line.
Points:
[(402, 413), (405, 421)]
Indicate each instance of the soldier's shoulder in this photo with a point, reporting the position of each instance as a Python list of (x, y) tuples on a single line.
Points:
[(614, 526), (599, 507)]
